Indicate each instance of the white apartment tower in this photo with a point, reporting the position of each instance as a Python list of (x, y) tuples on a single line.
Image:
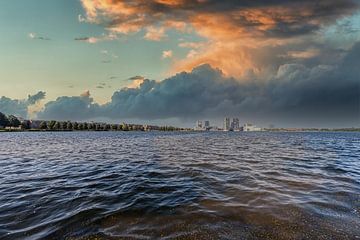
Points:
[(226, 124)]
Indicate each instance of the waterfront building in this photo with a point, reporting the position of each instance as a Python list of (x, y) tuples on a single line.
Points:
[(227, 124), (206, 124), (235, 124), (248, 127), (198, 126)]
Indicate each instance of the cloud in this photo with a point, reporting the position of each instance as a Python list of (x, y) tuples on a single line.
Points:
[(87, 39), (33, 99), (155, 34), (13, 106), (191, 44), (85, 94), (102, 86), (107, 53), (71, 108), (192, 53), (104, 37), (20, 107), (34, 36), (320, 95), (136, 78), (81, 18), (167, 54), (236, 30), (136, 81)]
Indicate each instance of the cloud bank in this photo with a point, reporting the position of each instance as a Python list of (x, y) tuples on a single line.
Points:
[(20, 107), (319, 95)]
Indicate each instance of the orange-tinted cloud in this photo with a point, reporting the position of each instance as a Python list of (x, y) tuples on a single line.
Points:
[(233, 29)]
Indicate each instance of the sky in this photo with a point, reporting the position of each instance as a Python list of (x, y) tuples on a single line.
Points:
[(281, 62)]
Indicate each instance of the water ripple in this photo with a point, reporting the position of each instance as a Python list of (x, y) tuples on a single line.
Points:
[(134, 185)]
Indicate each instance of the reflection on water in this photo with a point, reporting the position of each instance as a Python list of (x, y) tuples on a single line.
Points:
[(116, 185)]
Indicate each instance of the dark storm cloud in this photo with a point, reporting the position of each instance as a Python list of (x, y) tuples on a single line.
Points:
[(19, 107), (71, 108), (321, 94), (281, 18)]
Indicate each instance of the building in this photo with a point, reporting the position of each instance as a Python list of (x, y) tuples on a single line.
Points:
[(206, 124), (198, 126), (235, 124), (227, 124), (248, 127)]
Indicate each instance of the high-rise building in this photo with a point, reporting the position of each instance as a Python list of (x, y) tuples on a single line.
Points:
[(206, 124), (199, 125), (226, 124), (235, 124)]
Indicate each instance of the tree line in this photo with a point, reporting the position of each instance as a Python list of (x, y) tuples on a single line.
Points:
[(12, 121)]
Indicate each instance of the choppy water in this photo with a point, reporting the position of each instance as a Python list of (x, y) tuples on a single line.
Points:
[(137, 185)]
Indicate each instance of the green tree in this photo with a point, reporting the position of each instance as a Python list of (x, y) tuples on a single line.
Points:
[(63, 126), (81, 126), (91, 126), (26, 124), (4, 121), (43, 125), (114, 127), (86, 126), (69, 126), (125, 127), (75, 126), (57, 126), (13, 121), (51, 124), (120, 127)]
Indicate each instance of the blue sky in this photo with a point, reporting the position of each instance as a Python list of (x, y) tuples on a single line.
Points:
[(63, 66)]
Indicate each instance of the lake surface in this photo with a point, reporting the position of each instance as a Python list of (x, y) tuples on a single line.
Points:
[(158, 185)]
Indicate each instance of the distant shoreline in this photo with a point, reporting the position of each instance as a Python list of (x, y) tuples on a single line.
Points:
[(181, 130)]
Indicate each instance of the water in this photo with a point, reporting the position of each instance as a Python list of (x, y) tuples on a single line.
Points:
[(137, 185)]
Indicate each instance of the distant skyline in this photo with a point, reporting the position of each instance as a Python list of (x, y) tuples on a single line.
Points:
[(287, 63)]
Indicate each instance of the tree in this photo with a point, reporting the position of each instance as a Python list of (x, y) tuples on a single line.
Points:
[(125, 127), (4, 121), (86, 126), (114, 127), (13, 121), (43, 125), (75, 126), (57, 126), (91, 126), (51, 125), (81, 126), (120, 127), (26, 124), (63, 126), (69, 126)]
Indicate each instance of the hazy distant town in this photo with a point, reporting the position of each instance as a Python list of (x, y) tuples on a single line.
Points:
[(229, 124)]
